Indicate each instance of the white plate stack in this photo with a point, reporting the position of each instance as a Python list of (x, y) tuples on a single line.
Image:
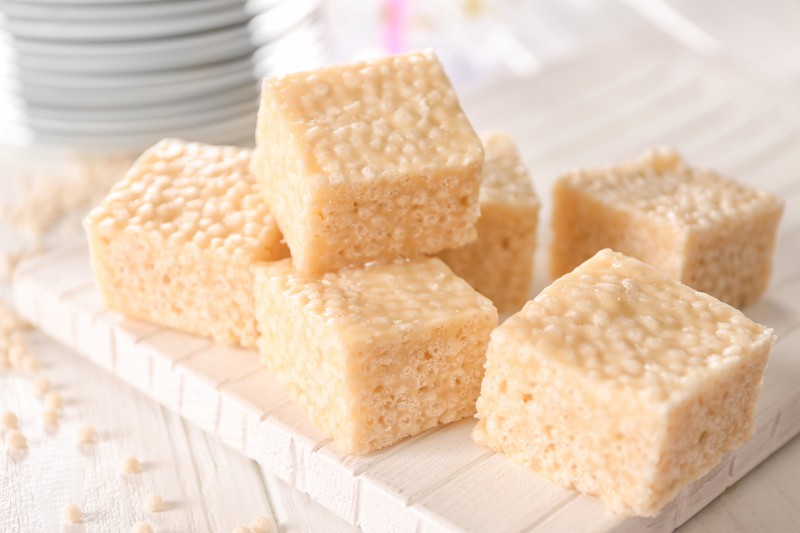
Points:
[(120, 74)]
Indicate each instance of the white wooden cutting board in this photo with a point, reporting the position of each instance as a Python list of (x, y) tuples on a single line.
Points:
[(592, 110)]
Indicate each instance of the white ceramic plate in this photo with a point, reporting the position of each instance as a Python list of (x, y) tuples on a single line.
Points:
[(150, 61), (31, 78), (124, 113), (161, 53), (179, 44), (126, 29), (96, 2), (140, 125), (235, 130), (115, 97), (51, 10)]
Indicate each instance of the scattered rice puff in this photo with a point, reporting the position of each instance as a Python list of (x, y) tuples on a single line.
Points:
[(48, 196), (264, 524), (86, 435), (16, 354), (154, 504), (130, 465), (15, 440), (72, 514), (50, 418), (53, 400), (30, 364), (10, 420), (10, 321), (41, 387), (141, 527)]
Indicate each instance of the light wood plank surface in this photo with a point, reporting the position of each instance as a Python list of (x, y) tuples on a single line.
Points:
[(58, 471)]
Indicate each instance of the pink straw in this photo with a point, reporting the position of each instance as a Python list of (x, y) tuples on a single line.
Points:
[(395, 26)]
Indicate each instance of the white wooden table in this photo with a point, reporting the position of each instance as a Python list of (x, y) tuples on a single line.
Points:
[(596, 111)]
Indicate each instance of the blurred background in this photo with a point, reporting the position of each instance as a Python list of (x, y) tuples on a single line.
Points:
[(85, 85), (114, 75)]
